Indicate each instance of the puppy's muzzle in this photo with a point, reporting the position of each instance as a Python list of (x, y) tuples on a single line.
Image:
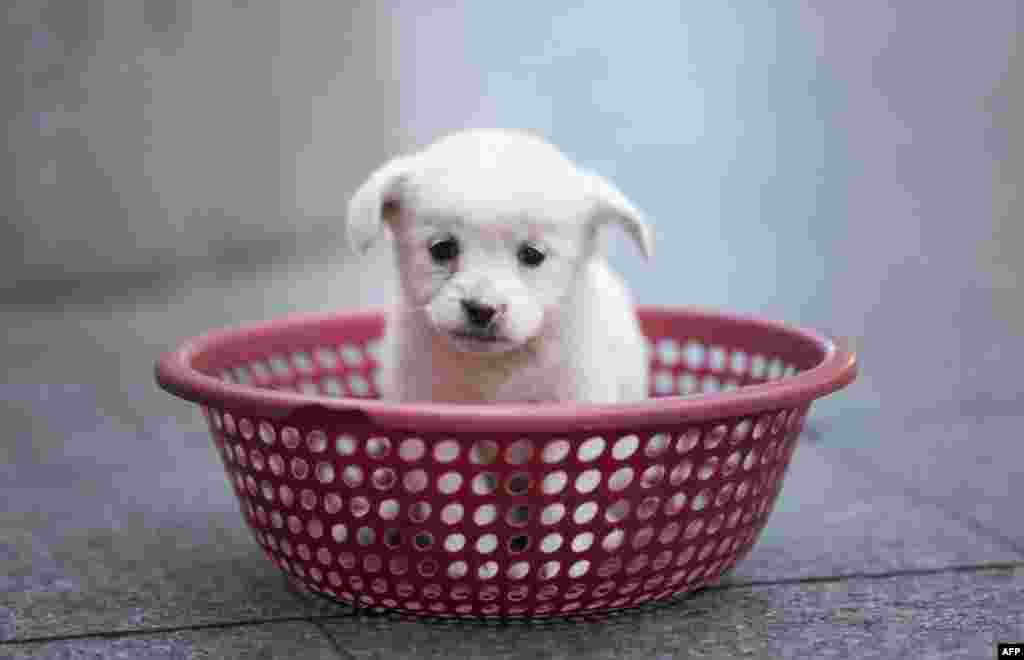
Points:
[(478, 315)]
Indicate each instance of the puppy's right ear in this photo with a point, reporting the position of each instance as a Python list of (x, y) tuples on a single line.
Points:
[(611, 206), (376, 200)]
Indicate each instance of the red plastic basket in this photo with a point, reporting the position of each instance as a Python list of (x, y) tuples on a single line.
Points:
[(506, 511)]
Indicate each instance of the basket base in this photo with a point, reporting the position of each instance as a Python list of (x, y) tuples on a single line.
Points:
[(398, 613)]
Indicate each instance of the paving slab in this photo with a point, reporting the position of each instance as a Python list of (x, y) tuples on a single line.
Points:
[(65, 580), (294, 640), (114, 523), (119, 523), (949, 615), (832, 518), (965, 461)]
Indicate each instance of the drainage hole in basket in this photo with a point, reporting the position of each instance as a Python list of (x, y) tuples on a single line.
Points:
[(688, 441), (700, 500), (398, 565), (657, 445), (352, 475), (585, 513), (454, 542), (378, 447), (518, 516), (339, 532), (625, 447), (487, 544), (449, 483), (582, 542), (384, 478), (372, 563), (708, 469), (485, 514), (393, 538), (613, 540), (669, 533), (715, 436), (621, 479), (518, 484), (652, 476), (423, 541), (452, 513), (648, 507), (519, 452), (308, 499), (519, 543), (446, 451), (359, 506), (617, 511), (411, 450), (483, 452), (549, 570), (555, 451), (610, 567), (427, 568), (485, 483), (344, 444), (552, 513), (518, 570), (591, 449), (554, 482), (643, 537), (488, 570), (636, 564), (732, 463), (693, 352), (365, 536), (388, 509), (579, 569), (419, 512), (415, 481), (551, 543), (588, 480)]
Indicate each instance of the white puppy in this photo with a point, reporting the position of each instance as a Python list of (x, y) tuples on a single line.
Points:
[(505, 297)]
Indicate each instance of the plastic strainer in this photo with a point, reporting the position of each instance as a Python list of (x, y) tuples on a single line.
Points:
[(507, 511)]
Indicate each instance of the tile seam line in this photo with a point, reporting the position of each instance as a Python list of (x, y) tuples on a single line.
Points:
[(160, 630), (870, 469), (331, 639)]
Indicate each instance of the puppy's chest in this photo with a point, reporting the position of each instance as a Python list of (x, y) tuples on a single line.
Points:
[(536, 376)]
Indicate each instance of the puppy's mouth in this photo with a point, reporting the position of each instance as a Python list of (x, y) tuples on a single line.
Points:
[(479, 341), (476, 336)]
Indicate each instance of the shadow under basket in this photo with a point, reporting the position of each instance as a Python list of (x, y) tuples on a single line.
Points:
[(505, 511)]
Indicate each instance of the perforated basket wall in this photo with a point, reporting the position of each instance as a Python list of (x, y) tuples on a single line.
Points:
[(497, 511)]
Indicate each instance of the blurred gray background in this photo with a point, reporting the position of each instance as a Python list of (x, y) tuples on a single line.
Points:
[(849, 166), (178, 165)]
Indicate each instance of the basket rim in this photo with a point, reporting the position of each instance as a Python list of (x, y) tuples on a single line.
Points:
[(175, 375)]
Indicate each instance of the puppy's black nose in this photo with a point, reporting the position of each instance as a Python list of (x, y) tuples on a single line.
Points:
[(479, 315)]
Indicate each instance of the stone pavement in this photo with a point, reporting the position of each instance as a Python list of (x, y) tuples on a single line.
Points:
[(896, 535)]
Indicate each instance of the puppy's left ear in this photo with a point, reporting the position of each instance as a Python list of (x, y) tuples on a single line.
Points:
[(377, 199), (610, 205)]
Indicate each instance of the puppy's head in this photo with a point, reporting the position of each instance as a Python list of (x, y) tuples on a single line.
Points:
[(492, 229)]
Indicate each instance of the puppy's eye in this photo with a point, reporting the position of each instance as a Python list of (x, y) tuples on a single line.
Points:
[(530, 255), (444, 250)]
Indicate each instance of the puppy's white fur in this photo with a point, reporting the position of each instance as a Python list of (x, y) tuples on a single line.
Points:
[(565, 330)]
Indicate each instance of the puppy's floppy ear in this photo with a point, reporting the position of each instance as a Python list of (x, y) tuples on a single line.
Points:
[(378, 197), (610, 205)]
